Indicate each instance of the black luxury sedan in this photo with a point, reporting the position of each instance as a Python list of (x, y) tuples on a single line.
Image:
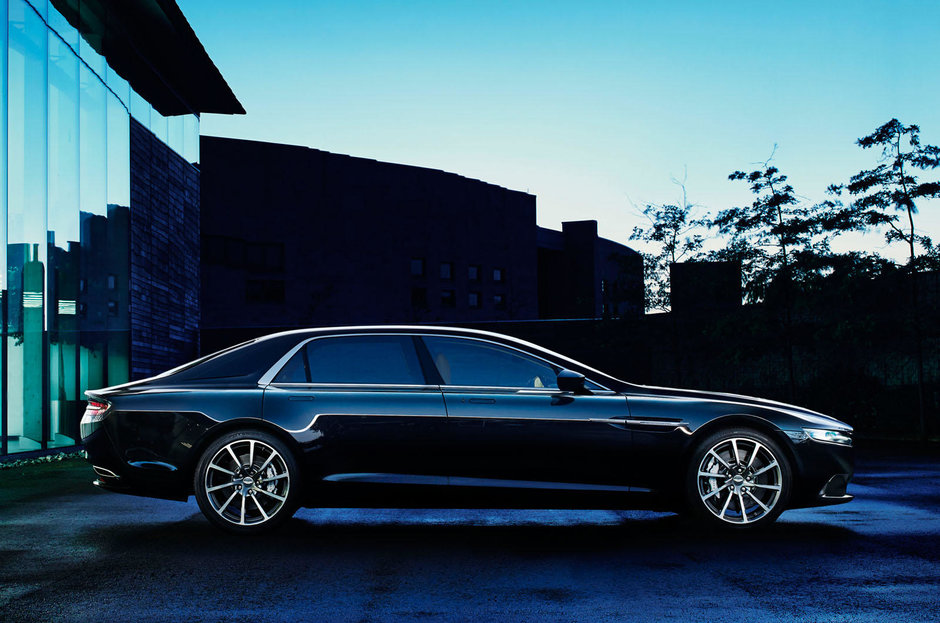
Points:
[(400, 416)]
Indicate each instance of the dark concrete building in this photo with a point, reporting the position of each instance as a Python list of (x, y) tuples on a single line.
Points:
[(584, 276), (293, 236), (99, 203)]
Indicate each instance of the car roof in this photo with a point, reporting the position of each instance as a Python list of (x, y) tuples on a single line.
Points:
[(246, 362), (449, 330)]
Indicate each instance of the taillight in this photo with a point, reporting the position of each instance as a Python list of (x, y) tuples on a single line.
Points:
[(95, 412), (96, 408)]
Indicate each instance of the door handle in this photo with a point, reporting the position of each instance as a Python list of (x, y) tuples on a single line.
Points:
[(483, 401), (301, 397)]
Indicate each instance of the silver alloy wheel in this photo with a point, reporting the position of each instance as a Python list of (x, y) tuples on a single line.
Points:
[(739, 480), (247, 482)]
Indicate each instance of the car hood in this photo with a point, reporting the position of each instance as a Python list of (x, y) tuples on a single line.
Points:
[(812, 418)]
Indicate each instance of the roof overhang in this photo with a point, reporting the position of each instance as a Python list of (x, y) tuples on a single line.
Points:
[(150, 44)]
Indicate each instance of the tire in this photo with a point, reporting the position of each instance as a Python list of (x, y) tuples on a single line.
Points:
[(738, 478), (247, 482)]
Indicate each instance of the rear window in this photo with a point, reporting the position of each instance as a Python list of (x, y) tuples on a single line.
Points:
[(242, 363), (363, 359)]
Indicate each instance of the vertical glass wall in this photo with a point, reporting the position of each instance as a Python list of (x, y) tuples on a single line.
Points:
[(64, 222)]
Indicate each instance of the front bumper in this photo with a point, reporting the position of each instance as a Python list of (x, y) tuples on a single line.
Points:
[(822, 473)]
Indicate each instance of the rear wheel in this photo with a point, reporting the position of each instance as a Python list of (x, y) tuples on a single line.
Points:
[(247, 482), (738, 478)]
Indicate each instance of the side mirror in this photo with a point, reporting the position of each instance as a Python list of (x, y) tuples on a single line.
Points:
[(571, 381)]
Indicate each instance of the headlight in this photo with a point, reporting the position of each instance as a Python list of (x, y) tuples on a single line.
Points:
[(828, 436)]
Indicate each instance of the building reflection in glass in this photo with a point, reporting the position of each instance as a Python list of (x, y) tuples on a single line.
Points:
[(64, 222)]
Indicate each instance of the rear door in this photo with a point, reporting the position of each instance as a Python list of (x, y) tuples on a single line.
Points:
[(510, 422), (362, 408)]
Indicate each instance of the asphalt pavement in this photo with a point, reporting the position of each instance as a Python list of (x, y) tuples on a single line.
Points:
[(69, 552)]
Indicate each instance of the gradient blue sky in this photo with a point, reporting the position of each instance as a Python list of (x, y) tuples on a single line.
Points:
[(591, 106)]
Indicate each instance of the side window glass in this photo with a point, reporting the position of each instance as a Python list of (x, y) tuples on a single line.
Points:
[(365, 359), (472, 362)]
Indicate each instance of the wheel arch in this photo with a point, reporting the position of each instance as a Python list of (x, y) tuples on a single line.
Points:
[(742, 420), (229, 426)]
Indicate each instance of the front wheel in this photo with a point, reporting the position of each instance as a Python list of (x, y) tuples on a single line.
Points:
[(738, 478), (247, 482)]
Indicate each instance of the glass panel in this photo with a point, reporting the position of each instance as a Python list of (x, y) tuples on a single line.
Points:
[(65, 399), (116, 280), (120, 86), (140, 109), (158, 125), (380, 359), (91, 39), (3, 211), (93, 141), (175, 134), (93, 297), (66, 31), (119, 155), (191, 138), (26, 226), (470, 362)]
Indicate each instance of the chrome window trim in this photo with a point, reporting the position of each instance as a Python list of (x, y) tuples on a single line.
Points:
[(341, 386), (268, 377)]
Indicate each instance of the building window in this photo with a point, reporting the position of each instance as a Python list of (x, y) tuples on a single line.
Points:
[(473, 300), (112, 308), (603, 285), (499, 275), (499, 301), (447, 270), (111, 282), (448, 298), (473, 272), (264, 291), (417, 267), (419, 298)]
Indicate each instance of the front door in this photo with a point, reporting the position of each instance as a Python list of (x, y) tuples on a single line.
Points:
[(509, 422)]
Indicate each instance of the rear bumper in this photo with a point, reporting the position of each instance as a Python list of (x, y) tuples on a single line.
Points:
[(114, 474)]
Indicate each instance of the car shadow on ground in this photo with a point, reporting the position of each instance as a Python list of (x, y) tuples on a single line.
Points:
[(196, 537)]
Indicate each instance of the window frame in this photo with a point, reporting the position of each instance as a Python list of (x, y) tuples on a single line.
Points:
[(450, 271), (268, 378), (602, 390), (431, 375)]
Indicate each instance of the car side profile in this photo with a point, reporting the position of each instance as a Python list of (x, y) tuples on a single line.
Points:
[(409, 416)]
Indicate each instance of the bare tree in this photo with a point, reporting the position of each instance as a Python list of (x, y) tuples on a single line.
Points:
[(675, 232)]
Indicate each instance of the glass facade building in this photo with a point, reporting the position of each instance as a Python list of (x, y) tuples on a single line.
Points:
[(65, 209)]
